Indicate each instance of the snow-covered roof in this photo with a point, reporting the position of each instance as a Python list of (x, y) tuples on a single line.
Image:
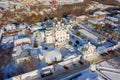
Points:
[(99, 13), (88, 34), (110, 68), (3, 4), (18, 49), (96, 21), (10, 26), (7, 40), (23, 54), (35, 51), (51, 55), (34, 28), (105, 64), (89, 45), (113, 18), (112, 23), (83, 16), (26, 46), (23, 40), (70, 57), (21, 26), (92, 21)]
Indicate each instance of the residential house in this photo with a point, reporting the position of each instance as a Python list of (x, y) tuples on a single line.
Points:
[(10, 27), (25, 52)]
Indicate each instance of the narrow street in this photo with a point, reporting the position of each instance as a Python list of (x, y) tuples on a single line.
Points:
[(62, 72)]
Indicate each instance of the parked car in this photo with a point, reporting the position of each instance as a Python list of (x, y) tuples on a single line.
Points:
[(46, 72), (80, 62), (74, 64), (65, 67)]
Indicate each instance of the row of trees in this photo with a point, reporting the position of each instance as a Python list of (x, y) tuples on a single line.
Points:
[(30, 64), (109, 2), (25, 16)]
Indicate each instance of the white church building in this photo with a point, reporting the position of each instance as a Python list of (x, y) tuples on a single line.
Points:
[(89, 51), (57, 35)]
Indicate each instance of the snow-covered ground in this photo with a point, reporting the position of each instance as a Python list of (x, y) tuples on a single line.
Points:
[(107, 70), (84, 75)]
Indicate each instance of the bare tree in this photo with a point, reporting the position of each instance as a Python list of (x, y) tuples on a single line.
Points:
[(30, 64)]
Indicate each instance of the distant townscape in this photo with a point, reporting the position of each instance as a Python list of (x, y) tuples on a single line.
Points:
[(67, 47), (47, 2)]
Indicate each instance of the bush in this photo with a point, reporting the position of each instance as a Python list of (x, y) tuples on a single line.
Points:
[(77, 42), (70, 42), (78, 34), (35, 45)]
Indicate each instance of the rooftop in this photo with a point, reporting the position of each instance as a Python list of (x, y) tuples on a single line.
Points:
[(110, 68), (51, 55), (83, 16), (88, 34), (25, 53)]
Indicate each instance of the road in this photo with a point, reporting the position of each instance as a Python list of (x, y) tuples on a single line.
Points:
[(61, 72)]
